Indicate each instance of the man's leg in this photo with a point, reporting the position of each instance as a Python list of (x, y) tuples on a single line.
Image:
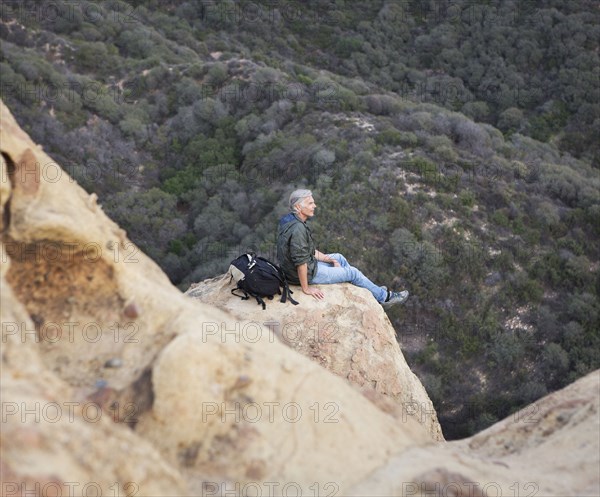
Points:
[(327, 274)]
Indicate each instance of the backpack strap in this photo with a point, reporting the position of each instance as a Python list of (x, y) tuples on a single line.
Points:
[(245, 297), (260, 301), (287, 295)]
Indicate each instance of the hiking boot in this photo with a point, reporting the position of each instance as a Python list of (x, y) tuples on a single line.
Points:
[(395, 298)]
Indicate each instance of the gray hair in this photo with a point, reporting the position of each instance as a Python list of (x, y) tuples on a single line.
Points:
[(298, 196)]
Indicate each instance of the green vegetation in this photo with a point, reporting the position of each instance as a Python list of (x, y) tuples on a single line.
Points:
[(452, 149)]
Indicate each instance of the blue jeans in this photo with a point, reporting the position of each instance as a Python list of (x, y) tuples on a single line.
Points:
[(327, 274)]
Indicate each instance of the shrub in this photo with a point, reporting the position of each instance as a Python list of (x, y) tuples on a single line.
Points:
[(389, 136), (105, 106), (133, 127), (187, 92), (217, 74), (531, 391), (443, 148), (506, 351), (467, 198), (554, 365), (511, 120), (500, 218), (135, 43), (409, 140), (382, 105), (90, 56), (424, 167), (217, 222), (523, 289), (346, 46), (478, 110), (470, 136), (150, 218)]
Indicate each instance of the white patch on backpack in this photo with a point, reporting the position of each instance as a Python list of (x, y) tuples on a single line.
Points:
[(236, 273)]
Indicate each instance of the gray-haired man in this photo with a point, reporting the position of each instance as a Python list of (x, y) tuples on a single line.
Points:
[(303, 264)]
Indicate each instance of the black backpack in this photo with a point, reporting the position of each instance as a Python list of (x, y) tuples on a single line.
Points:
[(257, 277)]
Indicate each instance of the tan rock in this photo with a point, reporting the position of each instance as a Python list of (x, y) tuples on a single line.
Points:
[(5, 189), (249, 413), (347, 333), (59, 281), (92, 295), (550, 448), (55, 443)]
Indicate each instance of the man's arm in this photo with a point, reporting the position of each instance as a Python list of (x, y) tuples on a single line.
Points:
[(303, 277), (320, 256)]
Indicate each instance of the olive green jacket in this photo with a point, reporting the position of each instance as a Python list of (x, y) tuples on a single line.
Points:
[(295, 246)]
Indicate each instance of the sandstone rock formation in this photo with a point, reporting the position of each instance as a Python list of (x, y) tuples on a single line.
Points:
[(348, 333), (550, 448), (95, 314), (115, 383), (54, 440), (246, 413)]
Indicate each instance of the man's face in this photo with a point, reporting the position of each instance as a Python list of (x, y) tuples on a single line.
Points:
[(307, 207)]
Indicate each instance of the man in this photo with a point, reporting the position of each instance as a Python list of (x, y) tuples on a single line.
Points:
[(304, 265)]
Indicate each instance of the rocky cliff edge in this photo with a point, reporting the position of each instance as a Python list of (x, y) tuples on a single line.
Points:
[(348, 333)]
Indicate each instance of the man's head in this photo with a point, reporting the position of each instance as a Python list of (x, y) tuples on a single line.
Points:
[(302, 203)]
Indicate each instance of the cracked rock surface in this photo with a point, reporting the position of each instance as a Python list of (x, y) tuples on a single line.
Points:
[(347, 333)]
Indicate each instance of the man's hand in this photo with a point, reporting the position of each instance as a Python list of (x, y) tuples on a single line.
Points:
[(315, 292), (321, 257), (303, 277)]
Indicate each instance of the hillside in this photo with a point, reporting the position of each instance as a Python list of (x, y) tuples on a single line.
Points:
[(460, 137)]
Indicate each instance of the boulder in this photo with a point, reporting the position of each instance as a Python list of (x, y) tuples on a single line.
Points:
[(92, 295), (230, 412), (550, 448), (347, 332), (55, 442)]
